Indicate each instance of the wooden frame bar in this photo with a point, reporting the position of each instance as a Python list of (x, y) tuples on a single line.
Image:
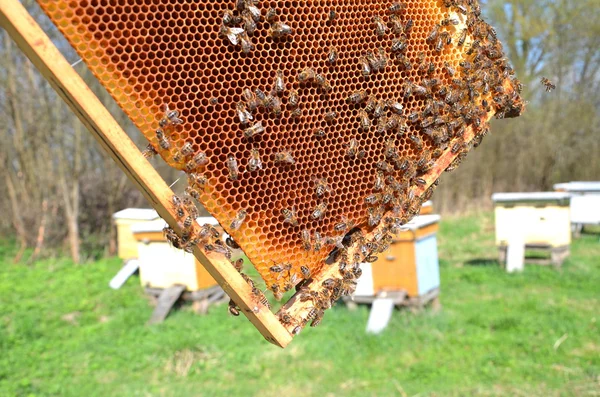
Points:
[(38, 47)]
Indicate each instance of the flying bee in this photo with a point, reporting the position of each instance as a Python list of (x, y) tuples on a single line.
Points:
[(289, 216), (321, 186), (232, 34), (357, 96), (279, 84), (332, 55), (254, 130), (285, 157), (294, 98), (380, 27), (547, 84), (163, 141), (462, 37), (237, 221), (365, 122), (149, 152), (306, 75), (232, 166), (246, 43), (271, 15), (319, 210), (365, 67), (317, 241), (251, 100), (319, 133), (279, 29), (305, 237), (243, 114), (323, 83), (255, 162), (330, 116)]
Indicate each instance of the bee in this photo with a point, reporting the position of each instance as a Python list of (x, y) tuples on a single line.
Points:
[(449, 69), (547, 84), (331, 15), (284, 156), (243, 114), (274, 103), (335, 240), (357, 96), (370, 258), (306, 75), (409, 25), (390, 148), (260, 298), (305, 272), (381, 58), (317, 241), (397, 26), (208, 231), (229, 18), (396, 107), (246, 43), (352, 148), (187, 222), (163, 141), (462, 37), (380, 108), (289, 216), (232, 34), (255, 162), (365, 67), (413, 117), (305, 236), (271, 15), (407, 87), (237, 221), (379, 182), (149, 152), (406, 64), (449, 21), (293, 99), (371, 103), (374, 216), (279, 29), (332, 55), (279, 84), (261, 97), (192, 192), (323, 83), (251, 100), (365, 122), (382, 125), (319, 133), (397, 7), (233, 308), (372, 198), (249, 23), (343, 225), (254, 130), (385, 167), (232, 166), (398, 45), (330, 116), (252, 9), (380, 27), (280, 268), (319, 210), (417, 141), (321, 186), (219, 248), (421, 181)]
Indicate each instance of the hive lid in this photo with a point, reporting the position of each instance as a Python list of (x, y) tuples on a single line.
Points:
[(421, 221), (578, 186), (159, 224), (530, 197), (142, 214)]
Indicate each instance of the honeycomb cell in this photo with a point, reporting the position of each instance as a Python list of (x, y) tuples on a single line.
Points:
[(151, 55)]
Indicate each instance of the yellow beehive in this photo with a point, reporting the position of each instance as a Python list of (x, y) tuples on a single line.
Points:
[(162, 265), (541, 218), (124, 219)]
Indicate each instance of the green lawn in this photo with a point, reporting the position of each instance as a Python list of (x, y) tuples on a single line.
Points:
[(64, 332)]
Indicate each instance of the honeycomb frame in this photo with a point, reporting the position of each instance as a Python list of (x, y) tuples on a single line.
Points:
[(111, 54)]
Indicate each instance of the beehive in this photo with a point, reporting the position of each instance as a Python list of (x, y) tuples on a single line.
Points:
[(443, 66), (124, 220)]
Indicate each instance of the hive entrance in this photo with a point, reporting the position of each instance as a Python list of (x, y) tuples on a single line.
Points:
[(448, 84)]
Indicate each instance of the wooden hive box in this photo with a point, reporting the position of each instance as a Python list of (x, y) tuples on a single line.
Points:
[(543, 218), (124, 219), (585, 203), (427, 208), (162, 265), (410, 264)]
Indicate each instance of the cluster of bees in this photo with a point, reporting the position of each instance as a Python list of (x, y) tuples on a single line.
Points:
[(477, 87)]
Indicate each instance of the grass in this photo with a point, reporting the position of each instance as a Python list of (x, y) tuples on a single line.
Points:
[(63, 332)]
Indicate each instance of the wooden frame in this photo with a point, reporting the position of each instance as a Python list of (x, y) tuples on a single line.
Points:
[(45, 56)]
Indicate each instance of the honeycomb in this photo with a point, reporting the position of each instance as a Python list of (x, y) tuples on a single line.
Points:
[(152, 54)]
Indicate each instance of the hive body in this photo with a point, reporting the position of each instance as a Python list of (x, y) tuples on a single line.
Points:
[(153, 54)]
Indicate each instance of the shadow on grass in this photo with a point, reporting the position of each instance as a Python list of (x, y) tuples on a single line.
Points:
[(488, 262)]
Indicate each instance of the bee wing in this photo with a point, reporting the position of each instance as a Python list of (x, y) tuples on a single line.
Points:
[(255, 12), (232, 35)]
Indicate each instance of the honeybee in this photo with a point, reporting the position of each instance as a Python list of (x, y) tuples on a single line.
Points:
[(187, 222), (319, 133), (323, 83), (246, 43), (232, 34), (197, 180), (335, 240), (233, 308), (293, 99), (243, 114), (343, 225), (405, 62), (249, 23), (330, 116), (198, 160), (372, 198), (398, 45), (232, 166), (365, 122), (547, 84), (374, 215), (449, 21), (352, 148), (237, 221), (279, 29), (284, 156), (420, 181), (255, 162), (409, 25), (186, 149), (462, 37), (365, 67), (163, 141), (357, 96), (251, 100), (380, 27), (385, 167), (331, 15), (371, 103), (381, 125), (396, 107), (317, 241), (149, 152), (229, 18), (279, 84), (321, 186), (192, 192), (219, 248), (289, 216), (397, 7), (397, 26), (305, 236), (306, 74), (254, 130), (305, 272), (280, 268), (379, 182), (319, 210), (380, 108), (274, 104), (390, 148), (332, 55), (271, 15)]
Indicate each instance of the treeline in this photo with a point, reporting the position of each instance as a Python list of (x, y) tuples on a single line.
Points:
[(61, 189)]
